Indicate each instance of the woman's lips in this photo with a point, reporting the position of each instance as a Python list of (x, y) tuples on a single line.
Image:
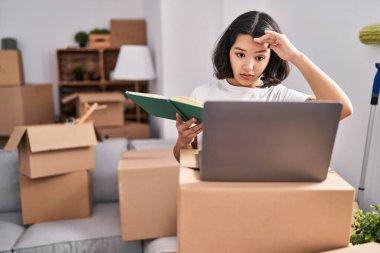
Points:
[(246, 76)]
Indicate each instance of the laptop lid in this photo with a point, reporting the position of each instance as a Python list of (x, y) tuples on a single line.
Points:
[(268, 141)]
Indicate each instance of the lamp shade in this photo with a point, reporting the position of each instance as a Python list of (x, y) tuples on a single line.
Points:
[(134, 63)]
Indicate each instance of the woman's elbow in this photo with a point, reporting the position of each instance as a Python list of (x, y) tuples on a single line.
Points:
[(347, 111)]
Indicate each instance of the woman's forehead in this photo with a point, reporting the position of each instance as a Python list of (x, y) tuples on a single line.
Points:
[(246, 42)]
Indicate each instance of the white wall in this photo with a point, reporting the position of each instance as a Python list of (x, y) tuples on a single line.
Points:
[(152, 9), (327, 31), (42, 26), (189, 31)]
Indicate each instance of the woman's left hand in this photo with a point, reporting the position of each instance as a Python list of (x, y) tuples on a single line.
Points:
[(280, 44)]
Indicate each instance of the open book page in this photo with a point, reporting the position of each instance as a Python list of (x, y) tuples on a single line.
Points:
[(151, 95), (188, 108), (187, 100)]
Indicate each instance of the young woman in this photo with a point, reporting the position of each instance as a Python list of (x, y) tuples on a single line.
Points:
[(250, 62)]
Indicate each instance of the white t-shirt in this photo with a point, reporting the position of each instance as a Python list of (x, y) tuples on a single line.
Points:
[(222, 90)]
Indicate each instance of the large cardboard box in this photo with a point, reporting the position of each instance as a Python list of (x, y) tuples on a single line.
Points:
[(128, 32), (371, 247), (46, 150), (148, 184), (60, 197), (130, 131), (111, 116), (11, 70), (25, 105), (263, 217)]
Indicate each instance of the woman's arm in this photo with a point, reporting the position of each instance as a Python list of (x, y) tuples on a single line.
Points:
[(323, 87)]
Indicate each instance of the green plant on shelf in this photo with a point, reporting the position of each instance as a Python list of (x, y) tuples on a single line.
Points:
[(81, 38), (99, 31), (78, 73), (366, 226)]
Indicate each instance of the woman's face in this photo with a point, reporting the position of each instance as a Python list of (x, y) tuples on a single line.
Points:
[(248, 61)]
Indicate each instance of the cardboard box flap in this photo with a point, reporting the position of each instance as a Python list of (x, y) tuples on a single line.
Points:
[(101, 97), (60, 136), (69, 98), (94, 97), (15, 138)]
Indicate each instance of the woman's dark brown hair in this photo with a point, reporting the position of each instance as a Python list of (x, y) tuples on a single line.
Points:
[(252, 23)]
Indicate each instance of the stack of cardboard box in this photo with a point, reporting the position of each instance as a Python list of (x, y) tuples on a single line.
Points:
[(21, 104), (109, 121), (54, 165), (148, 184), (261, 216)]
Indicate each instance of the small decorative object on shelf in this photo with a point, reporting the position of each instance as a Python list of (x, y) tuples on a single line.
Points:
[(81, 38), (78, 73), (99, 38)]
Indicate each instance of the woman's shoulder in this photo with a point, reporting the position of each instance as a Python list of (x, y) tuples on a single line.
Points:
[(282, 93)]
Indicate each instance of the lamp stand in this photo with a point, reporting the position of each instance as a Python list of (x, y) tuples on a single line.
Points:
[(138, 109)]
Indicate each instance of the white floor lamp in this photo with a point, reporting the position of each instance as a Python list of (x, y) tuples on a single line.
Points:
[(134, 63)]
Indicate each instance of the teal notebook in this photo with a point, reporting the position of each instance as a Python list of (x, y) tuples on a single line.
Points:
[(167, 107)]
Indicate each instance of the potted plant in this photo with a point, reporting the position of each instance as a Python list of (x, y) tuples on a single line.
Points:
[(81, 38), (100, 38), (78, 73), (366, 226)]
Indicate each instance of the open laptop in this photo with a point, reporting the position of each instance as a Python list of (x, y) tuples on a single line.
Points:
[(268, 141)]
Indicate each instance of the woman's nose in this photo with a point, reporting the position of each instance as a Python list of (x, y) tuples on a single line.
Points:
[(250, 64)]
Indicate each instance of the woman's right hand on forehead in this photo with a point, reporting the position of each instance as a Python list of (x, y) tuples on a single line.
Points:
[(187, 131), (280, 44)]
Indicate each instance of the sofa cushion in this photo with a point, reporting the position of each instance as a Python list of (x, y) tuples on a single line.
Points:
[(10, 230), (98, 233), (161, 245), (104, 177), (9, 185), (151, 144)]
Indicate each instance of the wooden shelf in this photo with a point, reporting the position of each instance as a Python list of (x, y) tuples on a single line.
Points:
[(96, 83), (96, 65)]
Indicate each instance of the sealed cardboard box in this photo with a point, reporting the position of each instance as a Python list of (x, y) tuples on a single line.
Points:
[(66, 196), (148, 184), (128, 32), (11, 70), (371, 247), (111, 116), (99, 40), (46, 150), (130, 131), (263, 217), (25, 105)]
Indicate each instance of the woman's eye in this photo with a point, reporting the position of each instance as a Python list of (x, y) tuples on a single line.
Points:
[(240, 55), (260, 58)]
